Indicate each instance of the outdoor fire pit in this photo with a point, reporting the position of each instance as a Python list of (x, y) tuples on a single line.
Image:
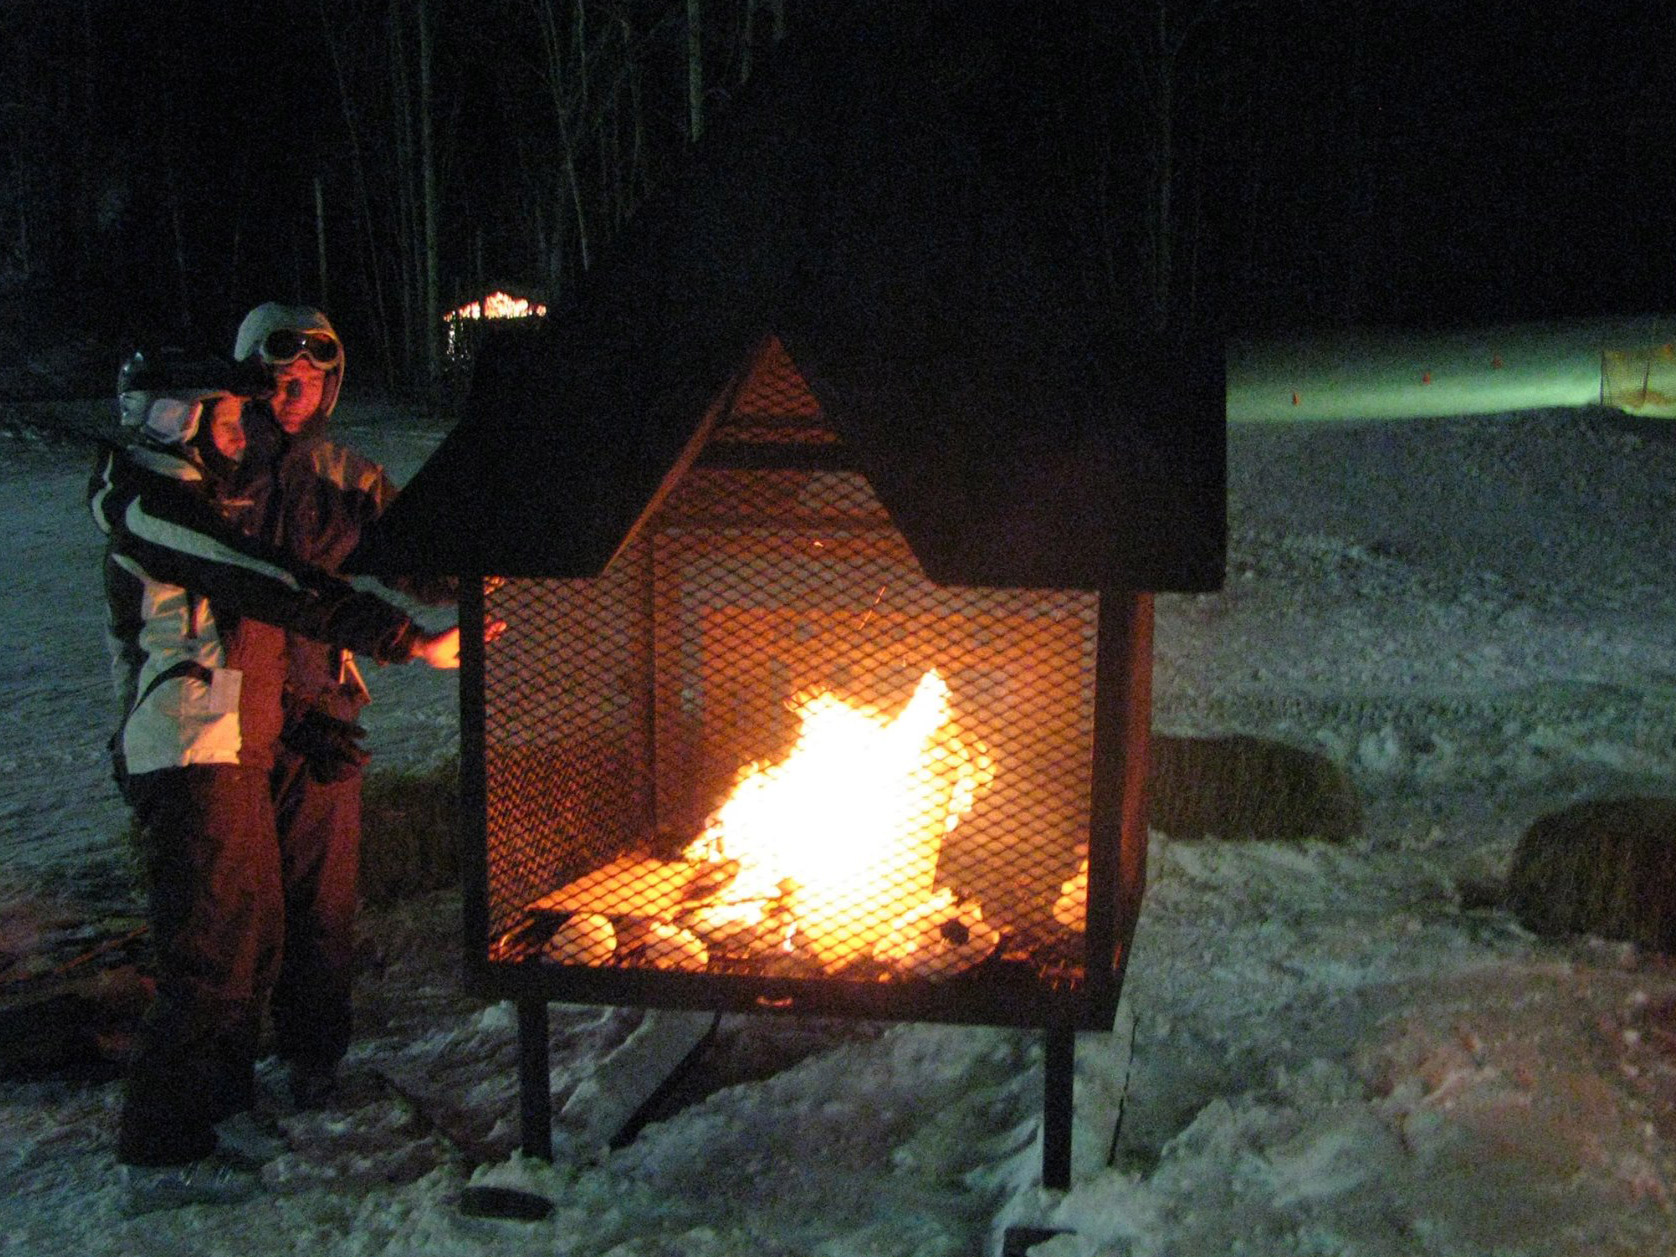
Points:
[(763, 761), (824, 523)]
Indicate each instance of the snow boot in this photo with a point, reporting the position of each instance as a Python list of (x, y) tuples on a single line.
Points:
[(214, 1180)]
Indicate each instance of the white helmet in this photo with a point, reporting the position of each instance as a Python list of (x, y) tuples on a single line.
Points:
[(275, 334)]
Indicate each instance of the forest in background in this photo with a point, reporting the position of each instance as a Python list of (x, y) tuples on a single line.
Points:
[(1246, 164)]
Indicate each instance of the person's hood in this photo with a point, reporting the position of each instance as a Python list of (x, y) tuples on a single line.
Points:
[(273, 316)]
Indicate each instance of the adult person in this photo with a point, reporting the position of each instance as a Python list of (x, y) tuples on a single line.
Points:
[(196, 606), (323, 495)]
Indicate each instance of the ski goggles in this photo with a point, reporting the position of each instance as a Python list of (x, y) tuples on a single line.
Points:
[(288, 344), (172, 419)]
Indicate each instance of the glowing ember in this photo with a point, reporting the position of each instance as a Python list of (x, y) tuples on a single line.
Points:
[(842, 835), (939, 937), (1072, 905)]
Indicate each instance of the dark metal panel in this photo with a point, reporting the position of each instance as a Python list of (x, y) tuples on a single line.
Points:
[(474, 815), (1117, 819)]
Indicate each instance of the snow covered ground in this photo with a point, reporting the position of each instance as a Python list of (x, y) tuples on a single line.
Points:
[(1336, 1050)]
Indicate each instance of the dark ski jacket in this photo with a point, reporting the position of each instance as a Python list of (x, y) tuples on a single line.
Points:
[(325, 496), (178, 576)]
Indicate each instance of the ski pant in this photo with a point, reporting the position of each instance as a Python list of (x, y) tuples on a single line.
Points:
[(252, 894), (319, 832), (216, 914)]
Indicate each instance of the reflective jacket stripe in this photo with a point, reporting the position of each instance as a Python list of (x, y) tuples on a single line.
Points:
[(179, 539)]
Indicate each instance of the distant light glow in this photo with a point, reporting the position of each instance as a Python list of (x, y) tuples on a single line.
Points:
[(498, 305)]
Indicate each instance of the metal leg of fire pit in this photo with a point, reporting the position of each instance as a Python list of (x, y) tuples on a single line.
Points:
[(535, 1098), (1059, 1064)]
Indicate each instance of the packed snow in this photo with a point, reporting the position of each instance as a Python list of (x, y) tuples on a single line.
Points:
[(1322, 1049)]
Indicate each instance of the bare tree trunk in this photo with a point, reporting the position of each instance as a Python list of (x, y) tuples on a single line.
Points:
[(363, 197), (613, 192), (432, 312), (22, 247), (579, 53), (747, 34), (559, 257), (179, 230), (556, 78), (320, 236), (1359, 184), (695, 70), (1159, 63), (637, 152), (85, 235), (409, 251), (295, 253), (235, 247)]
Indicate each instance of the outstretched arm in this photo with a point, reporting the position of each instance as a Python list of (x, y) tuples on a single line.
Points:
[(174, 535)]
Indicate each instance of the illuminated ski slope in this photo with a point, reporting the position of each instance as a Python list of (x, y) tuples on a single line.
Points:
[(1413, 375)]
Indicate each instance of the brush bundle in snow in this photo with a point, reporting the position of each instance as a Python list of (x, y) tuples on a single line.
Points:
[(1605, 867), (1242, 787)]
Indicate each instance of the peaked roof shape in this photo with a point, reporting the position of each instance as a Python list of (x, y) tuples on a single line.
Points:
[(903, 233)]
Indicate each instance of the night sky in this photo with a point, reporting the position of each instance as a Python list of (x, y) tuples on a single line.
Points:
[(1401, 163)]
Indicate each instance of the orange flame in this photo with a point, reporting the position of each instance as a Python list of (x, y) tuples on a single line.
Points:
[(844, 832)]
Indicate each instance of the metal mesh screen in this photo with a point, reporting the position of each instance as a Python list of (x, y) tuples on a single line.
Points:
[(763, 743)]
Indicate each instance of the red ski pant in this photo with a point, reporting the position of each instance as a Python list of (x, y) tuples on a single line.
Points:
[(319, 827), (217, 921)]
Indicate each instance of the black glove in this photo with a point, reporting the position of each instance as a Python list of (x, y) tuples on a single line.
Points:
[(331, 746)]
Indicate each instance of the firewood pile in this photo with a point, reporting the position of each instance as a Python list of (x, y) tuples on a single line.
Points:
[(641, 911)]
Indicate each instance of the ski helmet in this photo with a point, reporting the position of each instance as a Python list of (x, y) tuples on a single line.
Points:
[(274, 334), (161, 390)]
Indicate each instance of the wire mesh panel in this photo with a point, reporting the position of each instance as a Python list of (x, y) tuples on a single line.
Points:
[(762, 746)]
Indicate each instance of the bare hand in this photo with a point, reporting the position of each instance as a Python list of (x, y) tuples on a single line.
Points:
[(492, 628), (439, 650)]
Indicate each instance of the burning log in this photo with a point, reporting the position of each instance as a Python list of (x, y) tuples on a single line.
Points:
[(588, 939), (638, 886), (1072, 905), (818, 863), (632, 907), (668, 946)]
